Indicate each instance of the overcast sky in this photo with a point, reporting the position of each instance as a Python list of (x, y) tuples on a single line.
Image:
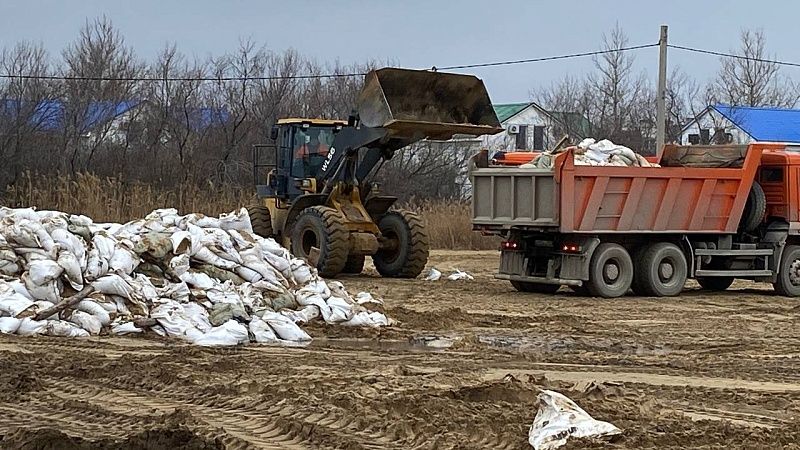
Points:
[(422, 33)]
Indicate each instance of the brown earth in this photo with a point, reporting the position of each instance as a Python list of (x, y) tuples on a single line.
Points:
[(462, 370)]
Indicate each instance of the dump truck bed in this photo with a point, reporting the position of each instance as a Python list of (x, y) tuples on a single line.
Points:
[(608, 199)]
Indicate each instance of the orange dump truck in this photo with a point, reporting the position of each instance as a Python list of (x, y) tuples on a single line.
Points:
[(712, 213)]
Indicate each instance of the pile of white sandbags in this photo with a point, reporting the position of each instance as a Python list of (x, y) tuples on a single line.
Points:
[(591, 153), (210, 281)]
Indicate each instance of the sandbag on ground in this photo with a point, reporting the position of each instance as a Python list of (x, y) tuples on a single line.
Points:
[(209, 281)]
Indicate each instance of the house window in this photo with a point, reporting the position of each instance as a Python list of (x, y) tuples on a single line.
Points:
[(705, 136), (538, 138), (522, 138), (694, 139)]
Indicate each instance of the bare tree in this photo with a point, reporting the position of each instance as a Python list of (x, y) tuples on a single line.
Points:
[(753, 80), (90, 100)]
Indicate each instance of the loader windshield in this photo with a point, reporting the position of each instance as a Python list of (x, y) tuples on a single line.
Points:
[(311, 145)]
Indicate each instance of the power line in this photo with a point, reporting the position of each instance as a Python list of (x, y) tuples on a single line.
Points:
[(314, 76), (548, 58), (732, 55)]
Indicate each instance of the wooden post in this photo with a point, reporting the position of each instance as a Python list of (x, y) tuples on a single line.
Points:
[(661, 94)]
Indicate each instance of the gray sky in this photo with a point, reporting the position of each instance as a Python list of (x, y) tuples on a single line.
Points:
[(422, 33)]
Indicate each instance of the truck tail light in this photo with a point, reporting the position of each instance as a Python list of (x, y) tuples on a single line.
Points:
[(569, 247), (510, 245)]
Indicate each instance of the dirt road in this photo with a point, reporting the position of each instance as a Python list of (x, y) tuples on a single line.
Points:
[(461, 371)]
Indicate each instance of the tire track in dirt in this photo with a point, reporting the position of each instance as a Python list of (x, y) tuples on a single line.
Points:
[(278, 425)]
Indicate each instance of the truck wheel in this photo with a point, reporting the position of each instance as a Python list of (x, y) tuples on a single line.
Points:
[(715, 283), (661, 270), (321, 227), (610, 271), (405, 251), (354, 264), (541, 288), (788, 282), (754, 209), (261, 220)]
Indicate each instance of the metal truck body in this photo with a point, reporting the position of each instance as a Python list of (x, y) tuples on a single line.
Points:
[(604, 230)]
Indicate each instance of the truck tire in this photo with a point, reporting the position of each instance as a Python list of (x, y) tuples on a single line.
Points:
[(322, 227), (754, 209), (715, 283), (788, 282), (261, 220), (541, 288), (354, 264), (660, 271), (409, 254), (610, 271)]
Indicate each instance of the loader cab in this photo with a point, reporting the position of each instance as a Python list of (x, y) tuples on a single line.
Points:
[(289, 168)]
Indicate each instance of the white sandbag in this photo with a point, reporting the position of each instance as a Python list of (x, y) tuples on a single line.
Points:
[(198, 280), (123, 328), (63, 328), (19, 287), (12, 303), (207, 256), (104, 244), (50, 291), (559, 419), (181, 242), (71, 243), (341, 310), (363, 298), (460, 275), (172, 317), (303, 315), (96, 266), (368, 319), (179, 264), (239, 220), (285, 328), (433, 275), (124, 259), (41, 305), (86, 321), (261, 331), (301, 272), (228, 334), (9, 325), (72, 268), (30, 327), (198, 316), (92, 308), (43, 271), (21, 233), (113, 284)]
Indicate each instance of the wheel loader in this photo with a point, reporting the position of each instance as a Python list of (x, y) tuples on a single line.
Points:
[(315, 186)]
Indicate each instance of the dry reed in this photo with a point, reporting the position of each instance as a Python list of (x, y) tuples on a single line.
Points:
[(111, 200)]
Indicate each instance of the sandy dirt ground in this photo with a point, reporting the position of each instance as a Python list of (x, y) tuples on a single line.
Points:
[(462, 370)]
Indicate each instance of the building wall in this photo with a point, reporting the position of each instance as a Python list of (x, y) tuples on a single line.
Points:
[(715, 122), (531, 117)]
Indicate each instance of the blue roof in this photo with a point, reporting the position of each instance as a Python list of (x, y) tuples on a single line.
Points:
[(764, 123)]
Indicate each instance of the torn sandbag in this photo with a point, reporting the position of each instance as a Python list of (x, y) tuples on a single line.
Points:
[(559, 419)]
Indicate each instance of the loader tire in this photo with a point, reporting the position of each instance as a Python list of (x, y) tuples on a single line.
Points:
[(261, 220), (322, 227), (788, 282), (754, 210), (408, 252), (354, 264)]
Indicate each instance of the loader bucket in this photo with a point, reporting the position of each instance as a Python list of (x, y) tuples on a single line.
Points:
[(418, 104)]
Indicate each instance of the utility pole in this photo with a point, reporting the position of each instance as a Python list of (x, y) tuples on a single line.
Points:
[(661, 94)]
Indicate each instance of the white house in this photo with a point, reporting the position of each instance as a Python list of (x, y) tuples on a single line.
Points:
[(527, 126), (724, 124)]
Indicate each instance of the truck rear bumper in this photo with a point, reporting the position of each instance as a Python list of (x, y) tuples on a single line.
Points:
[(542, 280)]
